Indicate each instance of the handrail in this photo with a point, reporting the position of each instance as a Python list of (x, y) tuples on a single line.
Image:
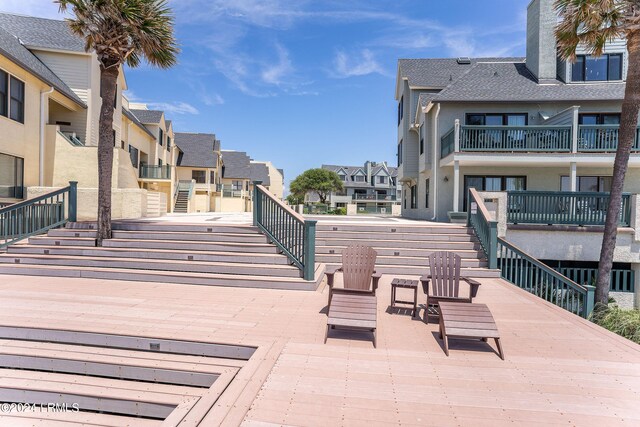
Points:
[(34, 216), (73, 140), (485, 228), (294, 235), (532, 275), (523, 270), (563, 207), (540, 138)]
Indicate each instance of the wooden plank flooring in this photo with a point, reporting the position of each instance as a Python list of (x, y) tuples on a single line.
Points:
[(560, 369)]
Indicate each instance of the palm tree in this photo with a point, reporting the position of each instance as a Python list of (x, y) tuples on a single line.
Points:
[(590, 24), (119, 32)]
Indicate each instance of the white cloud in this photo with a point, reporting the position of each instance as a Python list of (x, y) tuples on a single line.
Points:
[(174, 107), (354, 65), (275, 73), (214, 99)]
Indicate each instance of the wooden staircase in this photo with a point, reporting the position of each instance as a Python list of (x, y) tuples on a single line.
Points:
[(198, 254), (403, 249), (182, 202)]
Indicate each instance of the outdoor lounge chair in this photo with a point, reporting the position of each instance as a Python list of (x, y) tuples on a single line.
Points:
[(354, 305), (445, 280)]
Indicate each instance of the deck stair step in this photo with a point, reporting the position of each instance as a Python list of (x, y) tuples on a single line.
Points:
[(180, 253)]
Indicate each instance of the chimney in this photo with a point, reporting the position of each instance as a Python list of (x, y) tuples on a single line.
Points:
[(541, 40)]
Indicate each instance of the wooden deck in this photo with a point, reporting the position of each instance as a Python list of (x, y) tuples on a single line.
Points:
[(560, 369)]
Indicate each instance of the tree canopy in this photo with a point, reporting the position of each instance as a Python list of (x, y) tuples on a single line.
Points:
[(320, 181)]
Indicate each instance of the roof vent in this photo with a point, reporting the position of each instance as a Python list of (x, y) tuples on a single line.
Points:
[(464, 60)]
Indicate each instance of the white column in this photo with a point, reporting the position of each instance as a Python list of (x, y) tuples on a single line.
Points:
[(573, 176), (456, 137), (575, 130), (456, 186)]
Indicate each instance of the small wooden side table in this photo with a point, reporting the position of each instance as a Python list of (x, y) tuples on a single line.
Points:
[(407, 284)]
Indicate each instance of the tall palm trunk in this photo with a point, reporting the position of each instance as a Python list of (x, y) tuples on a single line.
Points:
[(626, 138), (108, 82)]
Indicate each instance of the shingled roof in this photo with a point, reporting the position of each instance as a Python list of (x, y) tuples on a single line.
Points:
[(41, 32), (513, 82), (236, 165), (259, 172), (11, 48), (128, 114), (150, 117), (352, 170), (197, 149), (438, 73)]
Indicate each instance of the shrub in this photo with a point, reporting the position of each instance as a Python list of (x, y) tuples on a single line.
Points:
[(340, 211), (625, 323)]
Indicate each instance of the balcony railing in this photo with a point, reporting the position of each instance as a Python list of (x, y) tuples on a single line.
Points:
[(155, 172), (515, 138), (602, 138), (556, 207), (375, 197), (447, 143), (229, 191)]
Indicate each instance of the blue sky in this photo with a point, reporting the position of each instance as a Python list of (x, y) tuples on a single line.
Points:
[(303, 83)]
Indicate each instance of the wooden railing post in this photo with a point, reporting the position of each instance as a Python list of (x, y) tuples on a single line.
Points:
[(257, 203), (589, 301), (73, 201), (309, 249)]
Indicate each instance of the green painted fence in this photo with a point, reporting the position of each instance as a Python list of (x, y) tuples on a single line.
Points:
[(563, 207), (35, 216), (602, 138), (543, 281), (523, 270), (621, 280), (515, 138), (294, 235)]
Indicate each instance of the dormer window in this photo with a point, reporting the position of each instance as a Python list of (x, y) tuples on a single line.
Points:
[(589, 68), (342, 177), (359, 178), (382, 180)]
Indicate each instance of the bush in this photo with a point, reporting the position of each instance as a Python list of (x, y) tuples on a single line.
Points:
[(340, 211), (625, 323)]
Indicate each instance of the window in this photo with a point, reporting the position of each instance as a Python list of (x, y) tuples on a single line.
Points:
[(199, 176), (426, 193), (589, 68), (160, 136), (497, 119), (598, 184), (11, 176), (133, 154), (599, 119), (342, 177), (236, 185), (382, 180), (212, 177), (359, 178), (400, 153), (4, 92), (421, 145), (400, 110), (414, 195), (159, 162), (16, 107), (168, 143), (493, 183)]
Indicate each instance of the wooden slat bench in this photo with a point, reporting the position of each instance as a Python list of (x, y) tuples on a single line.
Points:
[(465, 320), (353, 312)]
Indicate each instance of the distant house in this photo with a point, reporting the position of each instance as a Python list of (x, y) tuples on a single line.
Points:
[(371, 187)]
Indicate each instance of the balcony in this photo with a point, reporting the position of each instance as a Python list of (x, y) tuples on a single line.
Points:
[(229, 191), (531, 139), (374, 197), (155, 172)]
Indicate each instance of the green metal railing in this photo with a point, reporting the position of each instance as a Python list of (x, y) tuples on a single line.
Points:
[(621, 280), (485, 228), (294, 235), (543, 281), (35, 216), (602, 138), (563, 207), (523, 270), (515, 138), (447, 143), (155, 172)]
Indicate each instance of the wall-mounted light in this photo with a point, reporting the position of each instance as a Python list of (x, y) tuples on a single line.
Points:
[(446, 179)]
